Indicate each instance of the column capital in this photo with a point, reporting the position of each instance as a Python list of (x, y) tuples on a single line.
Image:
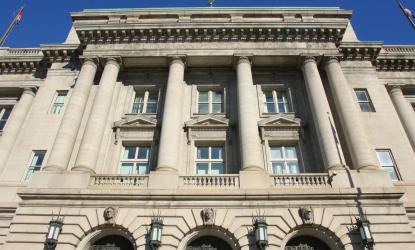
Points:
[(91, 60), (115, 60), (307, 58), (243, 58), (179, 58), (331, 59), (394, 87), (31, 90)]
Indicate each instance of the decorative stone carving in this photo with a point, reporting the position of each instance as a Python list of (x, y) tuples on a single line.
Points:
[(208, 216), (306, 214), (109, 214)]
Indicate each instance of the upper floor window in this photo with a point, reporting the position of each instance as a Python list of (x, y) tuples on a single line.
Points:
[(4, 115), (58, 101), (210, 102), (364, 101), (386, 162), (135, 160), (35, 163), (145, 102), (284, 160), (275, 101), (209, 160)]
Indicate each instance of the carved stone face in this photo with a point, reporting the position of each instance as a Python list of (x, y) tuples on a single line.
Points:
[(109, 213)]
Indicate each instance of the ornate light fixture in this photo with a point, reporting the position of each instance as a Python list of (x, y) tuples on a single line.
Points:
[(261, 234), (156, 230), (363, 226), (55, 228)]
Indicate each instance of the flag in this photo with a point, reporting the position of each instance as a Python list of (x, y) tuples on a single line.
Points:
[(19, 15)]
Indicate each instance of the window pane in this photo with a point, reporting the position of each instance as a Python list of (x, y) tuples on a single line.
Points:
[(39, 158), (2, 124), (202, 153), (365, 107), (202, 168), (129, 152), (282, 107), (276, 153), (290, 153), (217, 153), (268, 96), (392, 173), (151, 107), (217, 168), (152, 97), (217, 97), (361, 95), (143, 152), (293, 168), (137, 108), (6, 113), (142, 168), (277, 167), (281, 96), (126, 168), (270, 108), (203, 96), (203, 108), (384, 158), (217, 108)]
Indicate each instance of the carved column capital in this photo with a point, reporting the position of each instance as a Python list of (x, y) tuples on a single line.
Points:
[(91, 60), (331, 59), (243, 58), (176, 59), (115, 60)]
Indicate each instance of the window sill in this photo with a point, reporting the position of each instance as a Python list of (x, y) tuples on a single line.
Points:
[(277, 113), (146, 114), (201, 114)]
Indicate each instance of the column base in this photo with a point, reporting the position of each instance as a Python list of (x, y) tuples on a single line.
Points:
[(163, 180), (249, 179), (83, 169), (52, 168), (51, 180), (337, 167), (368, 167)]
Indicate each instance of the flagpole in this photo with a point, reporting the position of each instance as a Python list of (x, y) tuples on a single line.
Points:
[(11, 26), (407, 13)]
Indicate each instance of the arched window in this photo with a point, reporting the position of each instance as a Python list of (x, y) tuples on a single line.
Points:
[(208, 243), (305, 242), (112, 242)]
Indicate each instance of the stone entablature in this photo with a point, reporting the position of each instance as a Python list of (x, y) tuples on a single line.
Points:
[(396, 58)]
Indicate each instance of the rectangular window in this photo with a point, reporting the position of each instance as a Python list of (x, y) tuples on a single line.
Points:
[(145, 102), (364, 101), (4, 115), (386, 162), (209, 160), (58, 101), (275, 101), (35, 163), (284, 160), (210, 102), (135, 160)]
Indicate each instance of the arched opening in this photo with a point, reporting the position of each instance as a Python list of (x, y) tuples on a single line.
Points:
[(112, 242), (208, 243), (306, 242)]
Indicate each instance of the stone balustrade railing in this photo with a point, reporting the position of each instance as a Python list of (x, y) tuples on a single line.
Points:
[(302, 180), (119, 181), (210, 181)]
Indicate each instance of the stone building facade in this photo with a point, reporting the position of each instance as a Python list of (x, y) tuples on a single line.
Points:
[(208, 118)]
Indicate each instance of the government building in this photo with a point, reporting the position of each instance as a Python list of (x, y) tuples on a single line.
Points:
[(208, 129)]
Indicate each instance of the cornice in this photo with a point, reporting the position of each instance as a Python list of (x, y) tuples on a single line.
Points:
[(20, 60), (396, 58), (359, 51), (60, 52)]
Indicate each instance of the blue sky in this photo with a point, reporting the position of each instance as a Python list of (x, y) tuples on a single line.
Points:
[(48, 21)]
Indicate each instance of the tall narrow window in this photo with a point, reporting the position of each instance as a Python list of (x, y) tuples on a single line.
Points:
[(386, 162), (210, 102), (35, 163), (145, 102), (59, 101), (284, 160), (135, 160), (209, 160), (364, 101), (275, 101), (4, 115)]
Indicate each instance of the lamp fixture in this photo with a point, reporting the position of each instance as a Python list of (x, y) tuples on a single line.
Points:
[(261, 234), (55, 228), (363, 225), (156, 230)]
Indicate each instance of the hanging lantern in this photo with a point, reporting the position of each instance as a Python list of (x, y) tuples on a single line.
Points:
[(261, 234), (363, 226), (55, 228), (156, 230)]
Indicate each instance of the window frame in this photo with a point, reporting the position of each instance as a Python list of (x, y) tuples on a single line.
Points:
[(210, 160), (55, 103), (275, 101), (284, 160), (146, 93), (262, 88), (3, 109), (210, 101), (368, 100), (394, 166), (31, 169), (136, 160)]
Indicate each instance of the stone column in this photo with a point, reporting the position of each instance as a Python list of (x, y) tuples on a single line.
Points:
[(320, 110), (14, 125), (249, 140), (172, 124), (95, 127), (61, 151), (363, 157), (405, 112)]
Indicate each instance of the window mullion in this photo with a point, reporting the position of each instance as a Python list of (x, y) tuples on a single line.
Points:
[(145, 100), (275, 99)]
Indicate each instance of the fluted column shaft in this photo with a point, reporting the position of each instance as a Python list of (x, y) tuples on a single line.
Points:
[(250, 144), (320, 110), (363, 157), (14, 125), (172, 124), (405, 112), (61, 151), (95, 127)]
